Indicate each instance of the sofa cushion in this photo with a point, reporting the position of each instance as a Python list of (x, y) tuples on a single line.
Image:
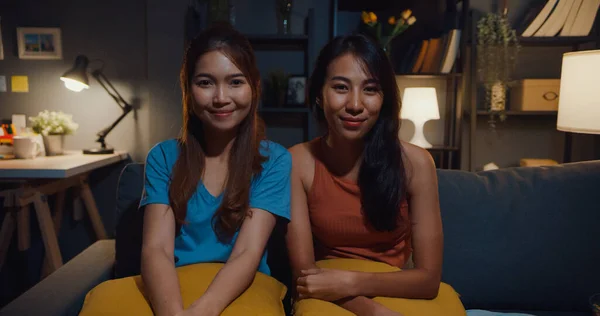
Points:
[(524, 238), (446, 303), (127, 296)]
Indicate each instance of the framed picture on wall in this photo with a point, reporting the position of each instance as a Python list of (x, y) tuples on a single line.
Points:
[(1, 45), (296, 90), (39, 43)]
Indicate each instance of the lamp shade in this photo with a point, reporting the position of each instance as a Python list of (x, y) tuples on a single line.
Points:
[(579, 102), (420, 104), (76, 78)]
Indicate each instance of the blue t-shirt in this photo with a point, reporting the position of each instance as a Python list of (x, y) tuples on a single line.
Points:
[(197, 241)]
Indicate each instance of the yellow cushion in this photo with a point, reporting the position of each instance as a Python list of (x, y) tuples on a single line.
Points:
[(447, 303), (126, 296)]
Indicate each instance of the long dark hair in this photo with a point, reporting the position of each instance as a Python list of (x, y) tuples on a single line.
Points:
[(245, 159), (382, 174)]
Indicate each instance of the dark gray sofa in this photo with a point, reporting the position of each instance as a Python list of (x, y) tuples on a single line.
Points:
[(520, 239)]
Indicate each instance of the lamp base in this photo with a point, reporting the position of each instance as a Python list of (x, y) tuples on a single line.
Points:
[(419, 136), (98, 151)]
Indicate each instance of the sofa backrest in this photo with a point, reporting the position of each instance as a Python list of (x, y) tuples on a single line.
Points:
[(523, 238), (130, 219)]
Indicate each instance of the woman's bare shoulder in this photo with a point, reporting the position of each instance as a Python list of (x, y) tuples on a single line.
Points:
[(418, 162), (303, 162)]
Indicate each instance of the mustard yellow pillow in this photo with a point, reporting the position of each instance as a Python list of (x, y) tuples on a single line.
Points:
[(126, 296), (447, 303)]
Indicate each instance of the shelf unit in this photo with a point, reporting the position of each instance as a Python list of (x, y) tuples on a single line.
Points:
[(516, 113), (287, 115), (574, 42), (448, 155)]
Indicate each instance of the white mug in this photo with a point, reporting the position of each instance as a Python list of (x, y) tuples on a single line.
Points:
[(25, 147)]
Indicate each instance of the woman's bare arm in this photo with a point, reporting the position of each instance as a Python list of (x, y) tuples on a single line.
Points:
[(158, 266)]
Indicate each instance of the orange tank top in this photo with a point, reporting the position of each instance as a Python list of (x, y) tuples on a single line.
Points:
[(340, 229)]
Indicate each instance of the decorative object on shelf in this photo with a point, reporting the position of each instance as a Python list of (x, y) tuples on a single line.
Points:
[(394, 27), (76, 80), (420, 105), (1, 46), (490, 166), (7, 131), (534, 95), (284, 16), (497, 50), (595, 304), (39, 43), (219, 11), (53, 126), (579, 103), (296, 90), (537, 162), (276, 88)]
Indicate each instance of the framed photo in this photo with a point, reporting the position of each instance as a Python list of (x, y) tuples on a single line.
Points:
[(296, 90), (1, 45), (39, 43)]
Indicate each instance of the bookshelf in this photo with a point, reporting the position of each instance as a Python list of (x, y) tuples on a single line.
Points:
[(287, 116), (473, 112), (516, 113)]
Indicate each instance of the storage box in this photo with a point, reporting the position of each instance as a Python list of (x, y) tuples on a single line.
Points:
[(534, 95)]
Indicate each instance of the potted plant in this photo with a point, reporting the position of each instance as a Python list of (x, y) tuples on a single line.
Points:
[(386, 33), (53, 126), (276, 88), (497, 50)]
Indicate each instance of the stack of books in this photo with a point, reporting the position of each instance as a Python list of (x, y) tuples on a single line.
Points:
[(548, 18), (432, 56)]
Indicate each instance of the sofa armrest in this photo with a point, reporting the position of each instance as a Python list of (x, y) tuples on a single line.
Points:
[(63, 292)]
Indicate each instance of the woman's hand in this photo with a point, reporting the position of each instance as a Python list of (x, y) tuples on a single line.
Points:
[(326, 284), (381, 310), (185, 312)]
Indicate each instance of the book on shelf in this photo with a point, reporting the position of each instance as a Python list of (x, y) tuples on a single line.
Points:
[(433, 52), (549, 18), (584, 22), (534, 22), (556, 20), (566, 30)]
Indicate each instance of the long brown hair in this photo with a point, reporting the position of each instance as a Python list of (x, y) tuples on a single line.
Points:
[(245, 159)]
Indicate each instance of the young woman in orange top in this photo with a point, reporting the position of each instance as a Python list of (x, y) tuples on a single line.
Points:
[(359, 192)]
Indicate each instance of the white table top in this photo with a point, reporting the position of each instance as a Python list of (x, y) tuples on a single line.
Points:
[(51, 167)]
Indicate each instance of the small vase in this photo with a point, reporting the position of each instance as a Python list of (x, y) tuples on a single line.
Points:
[(54, 144), (284, 16), (498, 97)]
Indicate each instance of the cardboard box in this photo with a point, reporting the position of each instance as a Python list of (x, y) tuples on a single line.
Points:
[(534, 95)]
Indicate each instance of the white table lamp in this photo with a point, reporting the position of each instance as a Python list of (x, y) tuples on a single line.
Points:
[(420, 105), (579, 101)]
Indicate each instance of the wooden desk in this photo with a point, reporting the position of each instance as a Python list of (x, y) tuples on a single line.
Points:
[(35, 180)]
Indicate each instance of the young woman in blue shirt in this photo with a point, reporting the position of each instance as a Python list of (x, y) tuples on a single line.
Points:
[(214, 194)]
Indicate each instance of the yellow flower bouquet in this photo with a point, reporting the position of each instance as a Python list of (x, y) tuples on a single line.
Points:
[(397, 25)]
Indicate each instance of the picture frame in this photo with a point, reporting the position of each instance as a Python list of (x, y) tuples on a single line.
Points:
[(1, 43), (39, 43), (296, 90)]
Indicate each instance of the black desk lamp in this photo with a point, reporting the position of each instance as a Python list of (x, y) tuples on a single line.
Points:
[(76, 80)]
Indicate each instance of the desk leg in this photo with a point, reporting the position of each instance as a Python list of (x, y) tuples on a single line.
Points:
[(59, 204), (6, 232), (23, 230), (90, 205), (48, 233)]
